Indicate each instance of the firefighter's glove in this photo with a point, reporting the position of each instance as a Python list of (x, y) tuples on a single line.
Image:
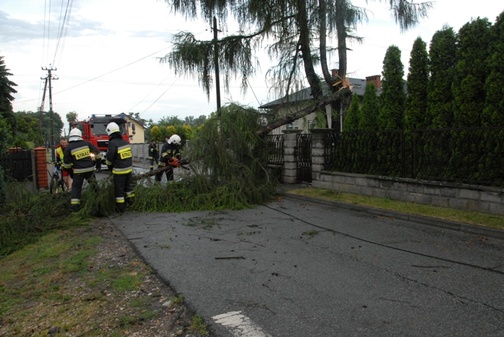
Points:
[(98, 165), (110, 167)]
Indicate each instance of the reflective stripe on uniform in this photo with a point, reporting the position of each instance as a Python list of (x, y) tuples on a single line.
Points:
[(122, 170), (83, 170)]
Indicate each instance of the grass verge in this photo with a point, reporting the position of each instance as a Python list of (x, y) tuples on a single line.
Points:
[(450, 214), (87, 281)]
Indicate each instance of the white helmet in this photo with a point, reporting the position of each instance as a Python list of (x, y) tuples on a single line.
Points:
[(175, 139), (75, 134), (112, 127)]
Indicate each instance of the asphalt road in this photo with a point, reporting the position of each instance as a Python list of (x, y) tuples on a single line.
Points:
[(296, 268)]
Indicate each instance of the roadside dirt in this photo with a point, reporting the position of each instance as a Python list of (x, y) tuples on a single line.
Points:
[(116, 294)]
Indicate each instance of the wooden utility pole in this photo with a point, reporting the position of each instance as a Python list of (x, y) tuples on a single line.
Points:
[(49, 78), (216, 65)]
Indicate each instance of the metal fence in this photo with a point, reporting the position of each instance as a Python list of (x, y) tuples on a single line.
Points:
[(275, 149), (17, 165), (303, 155), (473, 156)]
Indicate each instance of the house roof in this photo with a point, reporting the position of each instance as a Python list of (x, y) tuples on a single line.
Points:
[(358, 87)]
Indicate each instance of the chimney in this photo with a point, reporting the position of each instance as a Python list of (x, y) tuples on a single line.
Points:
[(375, 79)]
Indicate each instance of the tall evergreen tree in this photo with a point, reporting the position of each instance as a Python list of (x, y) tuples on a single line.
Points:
[(493, 114), (392, 96), (471, 71), (6, 98), (415, 115), (370, 109), (352, 119), (442, 58)]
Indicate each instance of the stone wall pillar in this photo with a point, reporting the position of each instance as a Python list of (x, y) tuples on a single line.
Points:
[(317, 151), (289, 174)]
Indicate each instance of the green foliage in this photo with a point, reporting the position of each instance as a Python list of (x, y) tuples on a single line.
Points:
[(296, 28), (415, 115), (493, 114), (229, 164), (370, 109), (28, 215), (156, 134), (471, 71), (6, 91), (352, 119), (3, 191), (392, 96), (442, 55)]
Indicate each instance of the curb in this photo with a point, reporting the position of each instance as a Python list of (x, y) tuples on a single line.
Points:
[(424, 220)]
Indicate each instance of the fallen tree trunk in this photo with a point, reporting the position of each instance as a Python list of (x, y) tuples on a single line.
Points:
[(305, 111)]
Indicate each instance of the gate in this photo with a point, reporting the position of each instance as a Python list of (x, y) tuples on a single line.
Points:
[(17, 165), (303, 158)]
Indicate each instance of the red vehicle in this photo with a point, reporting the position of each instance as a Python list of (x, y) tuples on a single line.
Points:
[(93, 130)]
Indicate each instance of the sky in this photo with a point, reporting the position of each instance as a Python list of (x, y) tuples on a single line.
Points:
[(106, 60)]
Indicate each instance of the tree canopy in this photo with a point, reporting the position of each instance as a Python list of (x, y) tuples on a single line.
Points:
[(304, 36)]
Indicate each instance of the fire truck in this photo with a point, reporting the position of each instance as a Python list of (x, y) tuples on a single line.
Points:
[(94, 130)]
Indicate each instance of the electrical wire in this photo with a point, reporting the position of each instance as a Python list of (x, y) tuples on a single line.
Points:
[(389, 246), (159, 84), (157, 99), (110, 72), (63, 29)]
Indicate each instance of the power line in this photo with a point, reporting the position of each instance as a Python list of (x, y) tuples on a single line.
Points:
[(112, 71), (63, 29), (157, 99), (159, 84)]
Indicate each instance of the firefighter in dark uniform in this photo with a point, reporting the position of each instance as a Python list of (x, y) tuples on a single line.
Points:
[(119, 161), (78, 162), (170, 152), (153, 154)]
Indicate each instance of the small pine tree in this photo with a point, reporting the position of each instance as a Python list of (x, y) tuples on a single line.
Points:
[(352, 119), (493, 114), (415, 115), (442, 55), (471, 72), (392, 96), (370, 109)]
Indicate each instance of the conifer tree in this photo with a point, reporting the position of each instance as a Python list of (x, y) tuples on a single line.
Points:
[(442, 58), (471, 72), (415, 115), (352, 119), (370, 109), (392, 96), (493, 114), (7, 118)]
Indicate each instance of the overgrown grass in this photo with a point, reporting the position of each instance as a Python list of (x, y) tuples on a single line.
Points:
[(64, 284), (474, 218)]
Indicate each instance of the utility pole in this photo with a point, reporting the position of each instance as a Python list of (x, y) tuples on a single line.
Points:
[(216, 65), (49, 78)]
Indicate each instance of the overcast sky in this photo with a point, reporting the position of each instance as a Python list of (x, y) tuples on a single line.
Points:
[(107, 62)]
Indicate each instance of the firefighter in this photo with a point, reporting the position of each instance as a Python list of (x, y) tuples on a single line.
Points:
[(119, 161), (170, 152), (153, 154), (60, 154), (78, 162)]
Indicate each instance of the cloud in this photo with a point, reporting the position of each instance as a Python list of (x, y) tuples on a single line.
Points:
[(18, 30)]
